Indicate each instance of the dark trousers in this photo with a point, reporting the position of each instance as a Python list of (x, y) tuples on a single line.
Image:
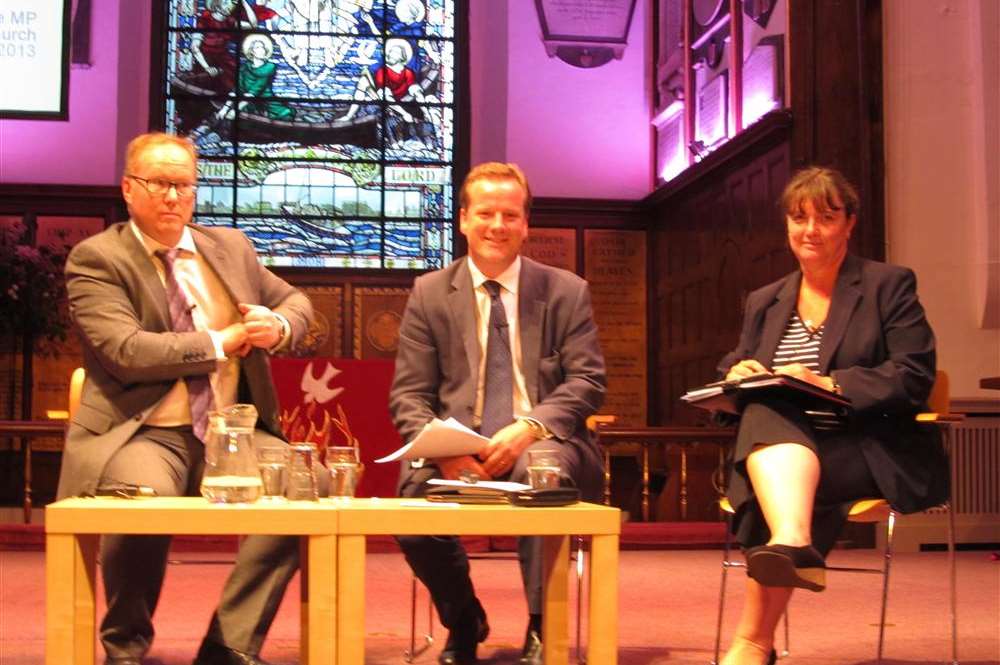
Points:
[(441, 563), (171, 461)]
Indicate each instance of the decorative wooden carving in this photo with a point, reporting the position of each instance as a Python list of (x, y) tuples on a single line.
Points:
[(378, 313), (325, 336)]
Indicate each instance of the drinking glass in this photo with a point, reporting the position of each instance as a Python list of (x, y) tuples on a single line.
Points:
[(273, 464), (344, 470), (543, 469), (301, 478)]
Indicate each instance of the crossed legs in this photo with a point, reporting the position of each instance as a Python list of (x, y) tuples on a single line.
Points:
[(784, 478)]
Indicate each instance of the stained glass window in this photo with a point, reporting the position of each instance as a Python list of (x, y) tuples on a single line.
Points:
[(325, 128)]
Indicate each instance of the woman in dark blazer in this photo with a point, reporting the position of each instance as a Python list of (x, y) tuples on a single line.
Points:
[(852, 326)]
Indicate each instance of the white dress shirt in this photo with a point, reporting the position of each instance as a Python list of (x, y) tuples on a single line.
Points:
[(213, 310), (509, 281)]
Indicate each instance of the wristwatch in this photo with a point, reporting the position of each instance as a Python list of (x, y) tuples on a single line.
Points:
[(536, 428), (281, 331)]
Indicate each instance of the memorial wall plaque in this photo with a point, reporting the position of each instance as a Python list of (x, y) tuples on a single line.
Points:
[(59, 231), (713, 99), (378, 313), (587, 19), (615, 267), (553, 247), (325, 336)]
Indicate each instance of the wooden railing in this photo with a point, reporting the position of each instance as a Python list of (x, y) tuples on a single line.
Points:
[(683, 439)]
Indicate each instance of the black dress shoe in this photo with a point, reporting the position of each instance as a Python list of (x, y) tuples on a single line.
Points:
[(531, 652), (787, 566), (212, 653), (460, 649)]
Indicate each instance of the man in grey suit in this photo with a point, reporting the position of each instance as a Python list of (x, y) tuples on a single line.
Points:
[(138, 423), (449, 359)]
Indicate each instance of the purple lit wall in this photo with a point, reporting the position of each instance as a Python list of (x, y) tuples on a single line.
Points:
[(108, 103), (577, 132)]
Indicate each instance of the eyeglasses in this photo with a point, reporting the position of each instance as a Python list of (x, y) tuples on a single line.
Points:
[(157, 187)]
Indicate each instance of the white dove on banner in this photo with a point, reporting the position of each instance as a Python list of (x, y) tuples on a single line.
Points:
[(319, 390)]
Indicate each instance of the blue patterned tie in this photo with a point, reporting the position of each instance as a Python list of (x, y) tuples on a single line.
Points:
[(498, 389), (199, 388)]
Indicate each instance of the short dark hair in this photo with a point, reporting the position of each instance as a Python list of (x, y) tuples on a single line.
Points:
[(495, 171), (822, 186)]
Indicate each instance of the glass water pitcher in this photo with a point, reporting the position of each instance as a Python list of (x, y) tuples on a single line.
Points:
[(231, 473)]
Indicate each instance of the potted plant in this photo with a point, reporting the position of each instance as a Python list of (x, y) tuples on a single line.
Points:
[(32, 300)]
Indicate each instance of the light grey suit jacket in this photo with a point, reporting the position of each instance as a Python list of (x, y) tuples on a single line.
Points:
[(437, 365), (132, 359)]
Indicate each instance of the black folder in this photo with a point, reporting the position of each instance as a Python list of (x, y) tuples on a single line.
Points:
[(732, 396), (555, 496)]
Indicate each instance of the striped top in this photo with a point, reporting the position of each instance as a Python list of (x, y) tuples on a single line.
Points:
[(800, 344)]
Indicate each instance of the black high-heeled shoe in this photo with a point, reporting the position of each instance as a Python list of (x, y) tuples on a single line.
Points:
[(787, 566)]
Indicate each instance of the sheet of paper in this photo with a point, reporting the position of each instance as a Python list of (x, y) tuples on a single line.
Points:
[(501, 485), (440, 438)]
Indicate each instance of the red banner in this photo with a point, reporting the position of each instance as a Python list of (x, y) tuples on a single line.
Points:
[(334, 401)]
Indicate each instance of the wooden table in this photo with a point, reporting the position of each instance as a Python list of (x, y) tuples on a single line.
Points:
[(361, 517), (73, 527), (26, 430)]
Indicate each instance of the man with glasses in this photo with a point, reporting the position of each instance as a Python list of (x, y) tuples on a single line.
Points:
[(175, 320)]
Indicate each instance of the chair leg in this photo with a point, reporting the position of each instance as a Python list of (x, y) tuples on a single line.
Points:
[(887, 562), (409, 655), (581, 656), (726, 564), (953, 599)]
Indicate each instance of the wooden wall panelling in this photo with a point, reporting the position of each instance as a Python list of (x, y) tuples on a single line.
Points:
[(720, 238), (48, 375), (835, 70), (74, 200), (53, 208), (717, 233)]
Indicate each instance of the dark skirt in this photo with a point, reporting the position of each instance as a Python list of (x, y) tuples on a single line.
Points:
[(844, 472)]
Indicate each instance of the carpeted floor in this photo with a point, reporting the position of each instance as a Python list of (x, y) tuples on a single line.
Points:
[(667, 610)]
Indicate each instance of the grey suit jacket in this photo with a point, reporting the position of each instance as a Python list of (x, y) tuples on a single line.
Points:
[(437, 365), (879, 348), (132, 359)]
